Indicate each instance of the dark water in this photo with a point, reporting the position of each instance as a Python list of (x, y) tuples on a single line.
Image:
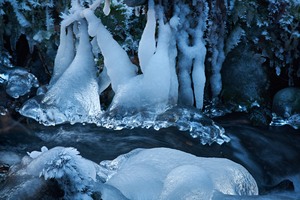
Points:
[(271, 154)]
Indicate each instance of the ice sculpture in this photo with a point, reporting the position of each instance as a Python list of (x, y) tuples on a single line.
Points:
[(158, 173)]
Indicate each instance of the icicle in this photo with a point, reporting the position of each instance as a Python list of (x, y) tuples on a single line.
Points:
[(137, 10), (106, 9), (185, 56), (119, 67), (147, 43), (216, 36), (192, 53), (77, 86), (198, 73), (65, 54)]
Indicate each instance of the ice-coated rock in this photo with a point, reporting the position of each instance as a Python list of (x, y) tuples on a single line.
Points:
[(20, 83), (17, 81), (162, 173), (158, 173)]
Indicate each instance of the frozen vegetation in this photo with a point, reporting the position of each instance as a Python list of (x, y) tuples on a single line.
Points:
[(158, 173)]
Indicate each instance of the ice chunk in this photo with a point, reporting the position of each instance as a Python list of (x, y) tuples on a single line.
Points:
[(158, 173), (20, 82)]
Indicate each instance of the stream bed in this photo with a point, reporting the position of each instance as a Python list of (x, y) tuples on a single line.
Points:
[(270, 154)]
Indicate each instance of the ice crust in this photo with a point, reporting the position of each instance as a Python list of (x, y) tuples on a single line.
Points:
[(158, 173)]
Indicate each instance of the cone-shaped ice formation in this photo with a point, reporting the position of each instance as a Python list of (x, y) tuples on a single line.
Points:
[(74, 96)]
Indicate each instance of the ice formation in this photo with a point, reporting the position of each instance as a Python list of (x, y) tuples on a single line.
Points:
[(74, 96), (172, 174), (192, 52), (139, 99), (158, 173), (148, 90), (147, 44), (65, 53)]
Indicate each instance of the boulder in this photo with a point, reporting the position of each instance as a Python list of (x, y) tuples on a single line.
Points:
[(286, 102)]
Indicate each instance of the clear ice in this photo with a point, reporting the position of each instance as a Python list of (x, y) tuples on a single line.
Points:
[(18, 82)]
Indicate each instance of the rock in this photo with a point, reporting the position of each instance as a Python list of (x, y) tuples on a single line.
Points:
[(133, 3), (244, 78), (286, 102), (260, 116)]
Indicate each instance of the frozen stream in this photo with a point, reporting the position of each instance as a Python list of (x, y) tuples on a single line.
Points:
[(271, 154)]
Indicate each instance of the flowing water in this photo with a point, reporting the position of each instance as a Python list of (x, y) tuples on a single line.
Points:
[(270, 154)]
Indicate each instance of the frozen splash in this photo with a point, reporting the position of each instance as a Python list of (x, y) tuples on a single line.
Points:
[(148, 99)]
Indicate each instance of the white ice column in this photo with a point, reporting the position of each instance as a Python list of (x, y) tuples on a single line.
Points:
[(65, 53), (147, 45)]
